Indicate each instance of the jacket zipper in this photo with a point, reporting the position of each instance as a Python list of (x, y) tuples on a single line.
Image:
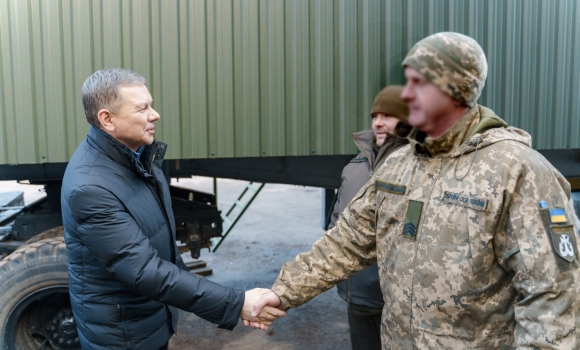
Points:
[(152, 159), (162, 207)]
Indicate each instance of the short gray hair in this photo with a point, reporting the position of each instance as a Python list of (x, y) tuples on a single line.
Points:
[(101, 91)]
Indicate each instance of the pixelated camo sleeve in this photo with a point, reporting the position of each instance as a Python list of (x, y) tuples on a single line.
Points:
[(540, 247), (345, 249)]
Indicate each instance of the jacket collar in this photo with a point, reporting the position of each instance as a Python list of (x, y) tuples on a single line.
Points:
[(489, 130), (123, 155), (479, 128), (365, 141), (443, 145)]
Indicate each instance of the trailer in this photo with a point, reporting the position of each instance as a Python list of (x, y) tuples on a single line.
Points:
[(266, 91)]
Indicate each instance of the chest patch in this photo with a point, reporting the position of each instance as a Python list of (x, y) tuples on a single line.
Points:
[(412, 219), (563, 241), (473, 202), (359, 160), (389, 187)]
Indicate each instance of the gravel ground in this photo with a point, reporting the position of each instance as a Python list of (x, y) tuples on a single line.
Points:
[(282, 222)]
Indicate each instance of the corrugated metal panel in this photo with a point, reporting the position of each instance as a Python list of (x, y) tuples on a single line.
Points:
[(240, 78), (532, 53)]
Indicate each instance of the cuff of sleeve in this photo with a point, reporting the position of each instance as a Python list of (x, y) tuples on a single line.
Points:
[(280, 289), (233, 309)]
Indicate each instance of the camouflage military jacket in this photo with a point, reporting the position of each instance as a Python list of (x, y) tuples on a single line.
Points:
[(474, 240)]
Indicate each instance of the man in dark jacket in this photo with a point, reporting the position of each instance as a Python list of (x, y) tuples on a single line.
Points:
[(125, 272), (362, 291)]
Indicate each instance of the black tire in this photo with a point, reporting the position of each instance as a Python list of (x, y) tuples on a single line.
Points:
[(51, 233), (35, 308)]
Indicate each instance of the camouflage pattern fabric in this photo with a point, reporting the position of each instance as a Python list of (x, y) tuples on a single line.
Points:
[(455, 63), (492, 262)]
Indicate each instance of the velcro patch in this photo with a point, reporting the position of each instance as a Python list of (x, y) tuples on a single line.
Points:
[(359, 160), (475, 203), (564, 241), (389, 187), (554, 233), (412, 219), (558, 216)]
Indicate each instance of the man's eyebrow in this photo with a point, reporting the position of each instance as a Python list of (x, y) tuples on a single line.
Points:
[(143, 104)]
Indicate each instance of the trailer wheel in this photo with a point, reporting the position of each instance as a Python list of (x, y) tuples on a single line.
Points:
[(51, 233), (35, 310)]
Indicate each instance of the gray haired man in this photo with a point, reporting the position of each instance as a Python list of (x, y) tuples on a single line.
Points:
[(126, 276)]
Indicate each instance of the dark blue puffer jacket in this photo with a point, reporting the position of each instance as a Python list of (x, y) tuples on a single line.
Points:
[(125, 273)]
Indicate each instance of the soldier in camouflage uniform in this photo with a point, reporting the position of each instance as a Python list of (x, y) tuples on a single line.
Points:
[(362, 291), (471, 228)]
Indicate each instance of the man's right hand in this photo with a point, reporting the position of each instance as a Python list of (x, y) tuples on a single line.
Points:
[(269, 308)]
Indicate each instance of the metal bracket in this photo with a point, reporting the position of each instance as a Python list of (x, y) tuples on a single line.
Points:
[(229, 219)]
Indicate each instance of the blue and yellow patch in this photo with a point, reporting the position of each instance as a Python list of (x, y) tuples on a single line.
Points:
[(558, 215)]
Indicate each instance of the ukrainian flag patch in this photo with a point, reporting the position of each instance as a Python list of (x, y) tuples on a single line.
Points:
[(558, 216)]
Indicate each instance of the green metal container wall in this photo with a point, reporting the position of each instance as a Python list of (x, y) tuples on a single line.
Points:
[(248, 78), (533, 54)]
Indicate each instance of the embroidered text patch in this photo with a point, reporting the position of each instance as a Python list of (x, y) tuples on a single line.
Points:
[(472, 202)]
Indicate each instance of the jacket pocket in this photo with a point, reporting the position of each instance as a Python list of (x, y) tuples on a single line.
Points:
[(496, 339), (481, 252), (123, 324), (467, 229), (390, 212)]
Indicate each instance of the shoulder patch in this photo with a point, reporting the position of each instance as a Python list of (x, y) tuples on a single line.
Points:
[(389, 187), (563, 241), (473, 202), (558, 215)]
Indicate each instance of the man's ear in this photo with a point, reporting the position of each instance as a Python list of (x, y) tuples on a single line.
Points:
[(106, 118)]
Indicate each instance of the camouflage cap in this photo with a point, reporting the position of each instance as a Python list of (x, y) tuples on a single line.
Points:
[(455, 63), (389, 102)]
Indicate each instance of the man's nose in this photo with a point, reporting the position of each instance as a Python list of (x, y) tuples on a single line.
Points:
[(406, 94), (153, 116)]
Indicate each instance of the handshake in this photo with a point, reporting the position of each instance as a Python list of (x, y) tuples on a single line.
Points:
[(261, 308)]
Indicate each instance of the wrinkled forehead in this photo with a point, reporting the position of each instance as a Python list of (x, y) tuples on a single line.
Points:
[(134, 93)]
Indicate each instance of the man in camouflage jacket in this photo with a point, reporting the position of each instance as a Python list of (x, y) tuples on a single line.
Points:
[(362, 291), (471, 228)]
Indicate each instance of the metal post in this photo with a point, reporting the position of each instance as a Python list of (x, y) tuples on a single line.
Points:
[(215, 190)]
